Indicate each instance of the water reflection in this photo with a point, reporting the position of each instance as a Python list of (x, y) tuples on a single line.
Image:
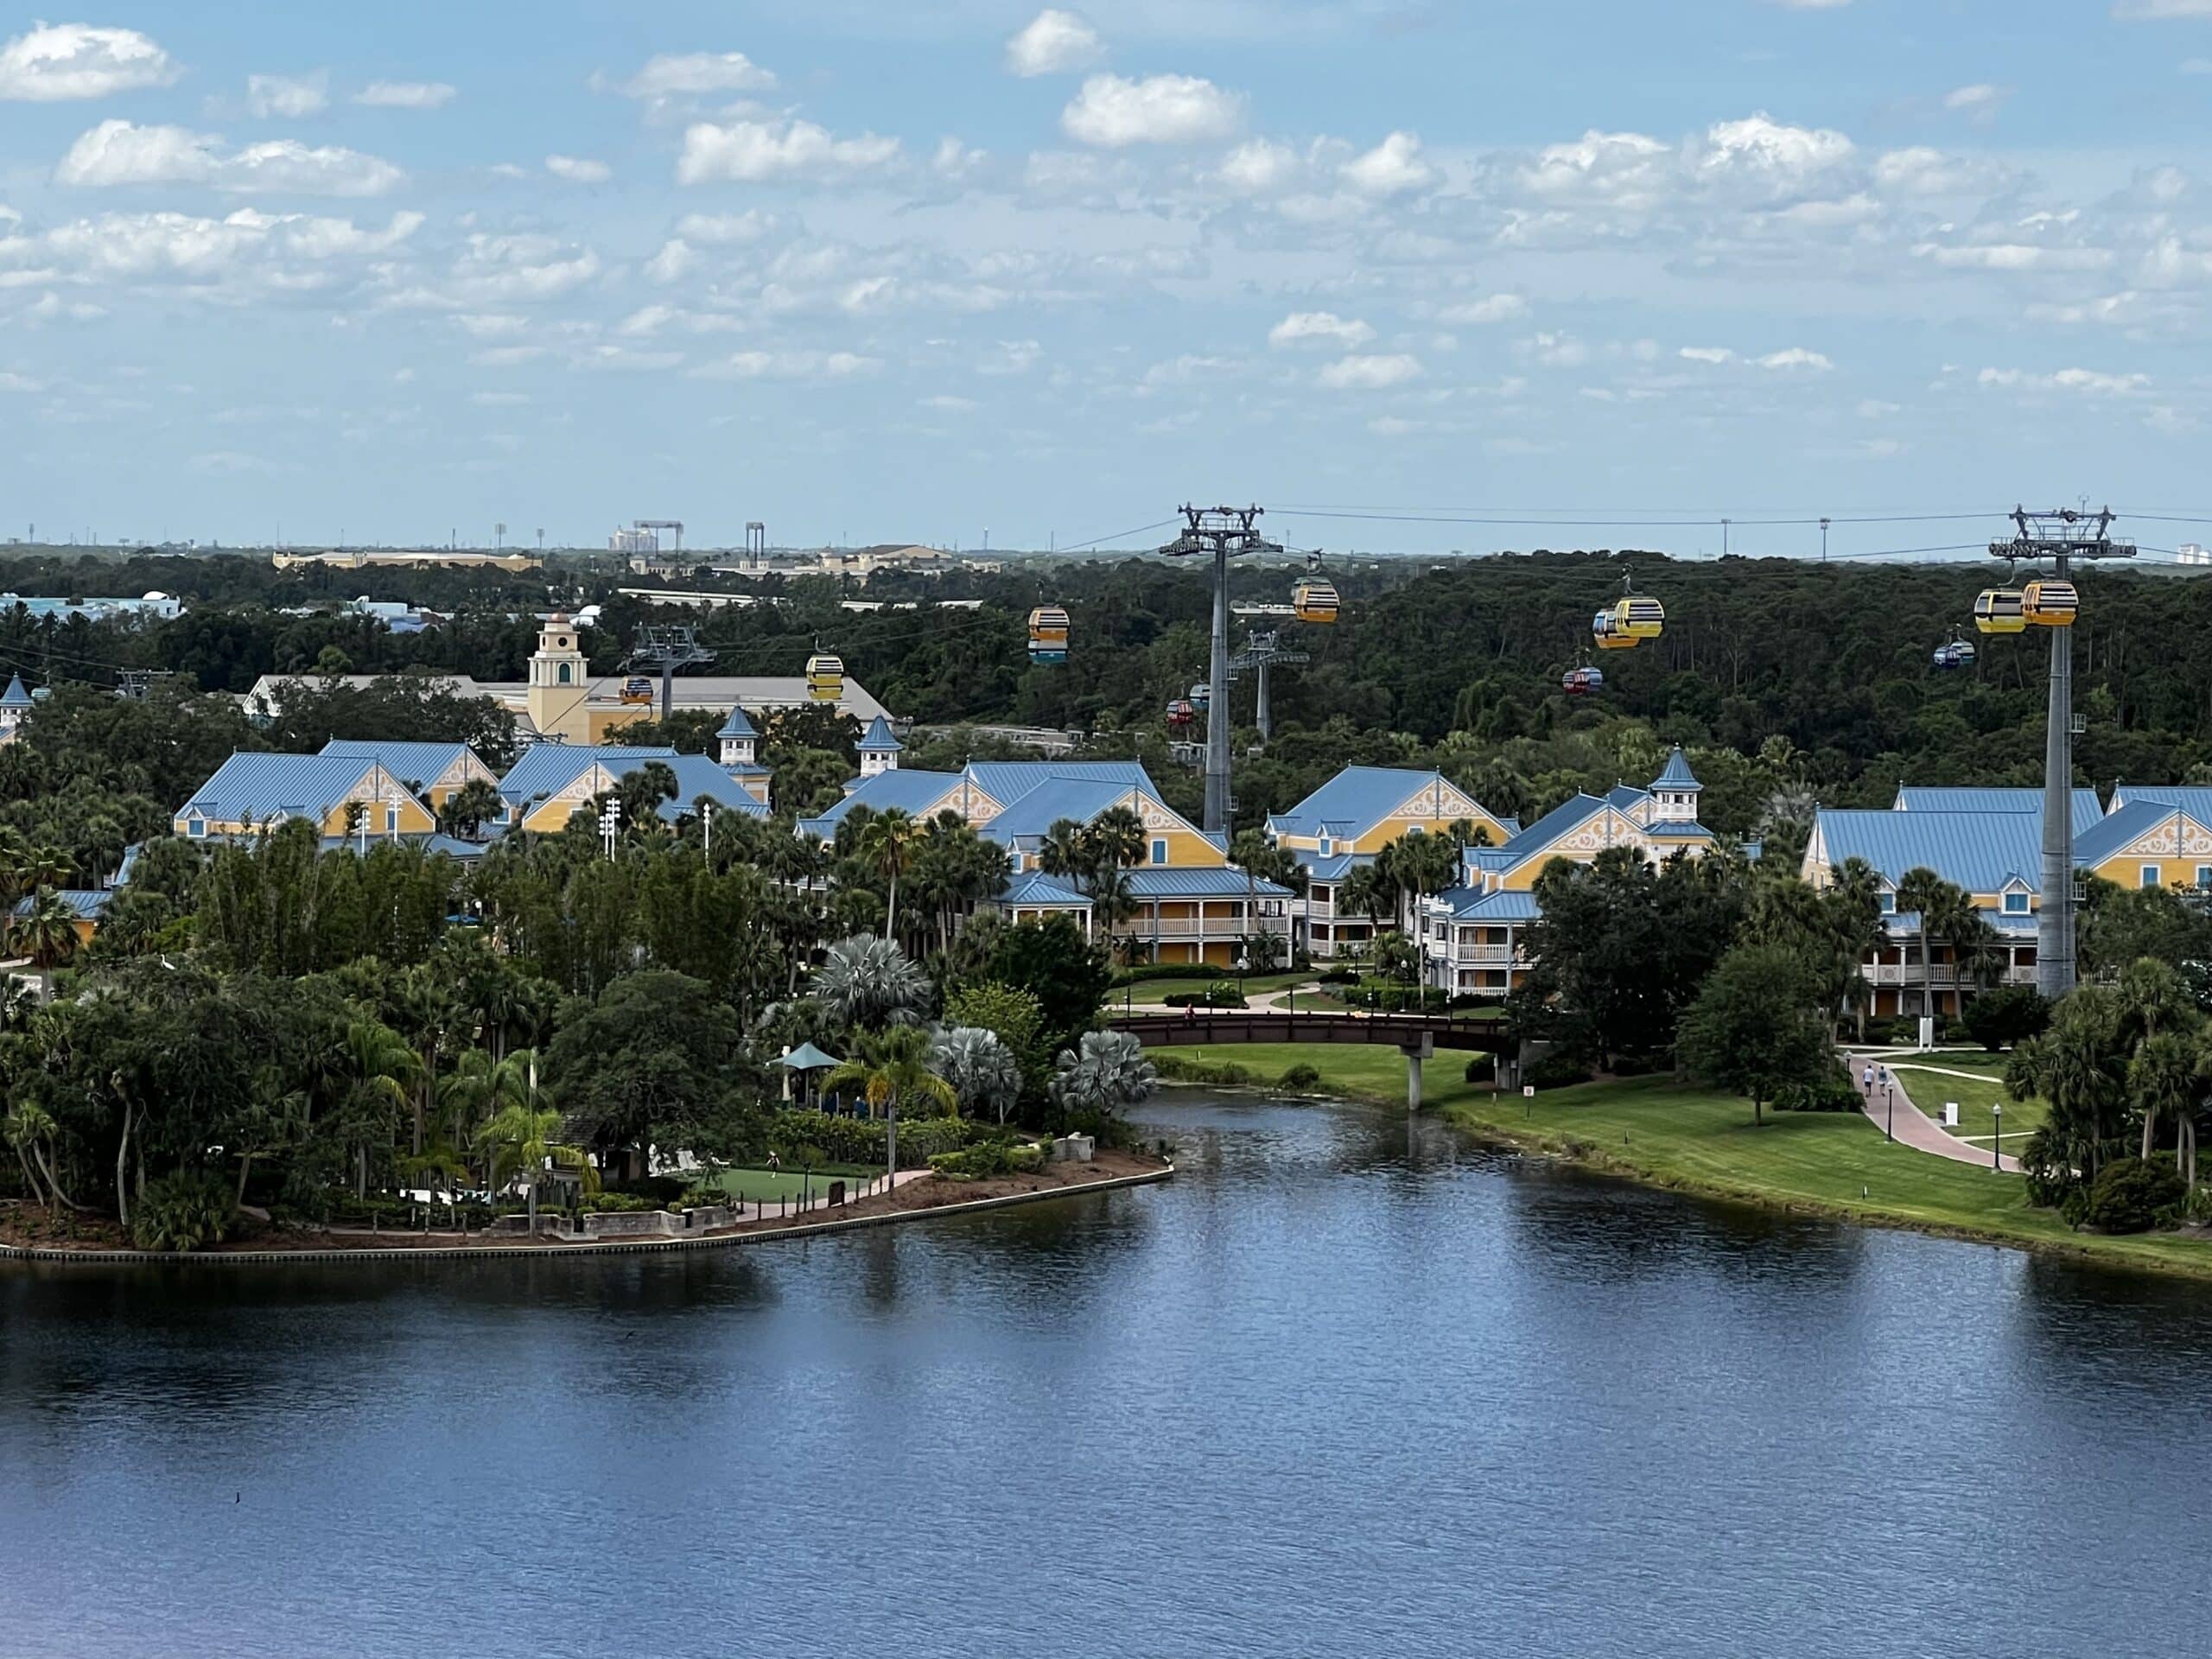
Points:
[(1347, 1383)]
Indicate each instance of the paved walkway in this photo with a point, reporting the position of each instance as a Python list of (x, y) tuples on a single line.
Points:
[(1914, 1127)]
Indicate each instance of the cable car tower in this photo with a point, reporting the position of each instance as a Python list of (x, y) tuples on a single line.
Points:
[(2061, 536), (1262, 653), (664, 649), (1224, 533)]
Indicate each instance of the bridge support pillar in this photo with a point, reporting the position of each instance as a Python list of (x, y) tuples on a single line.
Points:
[(1415, 1053)]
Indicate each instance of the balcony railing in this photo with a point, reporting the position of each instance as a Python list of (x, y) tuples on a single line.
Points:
[(1211, 928), (1942, 976)]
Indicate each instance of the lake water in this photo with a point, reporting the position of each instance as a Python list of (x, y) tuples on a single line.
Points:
[(1341, 1388)]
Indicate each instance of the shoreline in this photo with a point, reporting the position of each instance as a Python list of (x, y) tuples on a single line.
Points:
[(855, 1217), (2042, 1237)]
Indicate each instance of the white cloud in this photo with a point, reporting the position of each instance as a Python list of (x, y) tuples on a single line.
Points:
[(1112, 112), (1981, 100), (1053, 43), (291, 97), (1492, 308), (56, 61), (1706, 354), (2090, 383), (578, 169), (1622, 166), (1012, 357), (1325, 326), (1371, 374), (749, 152), (1392, 167), (676, 260), (722, 230), (2014, 255), (406, 95), (691, 74), (1795, 356), (119, 153), (494, 325), (498, 399), (1766, 152), (790, 366), (156, 245), (1259, 165), (1555, 351), (954, 160), (11, 381), (626, 359)]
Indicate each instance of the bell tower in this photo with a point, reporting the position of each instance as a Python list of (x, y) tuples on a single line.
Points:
[(557, 690)]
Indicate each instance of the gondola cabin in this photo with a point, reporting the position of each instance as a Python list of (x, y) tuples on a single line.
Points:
[(636, 689), (1315, 600), (825, 678), (1957, 654), (1048, 634), (1639, 616), (1606, 632), (1201, 695), (2049, 603), (1581, 682), (1181, 715), (2001, 610)]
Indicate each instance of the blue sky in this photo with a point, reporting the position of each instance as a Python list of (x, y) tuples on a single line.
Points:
[(872, 272)]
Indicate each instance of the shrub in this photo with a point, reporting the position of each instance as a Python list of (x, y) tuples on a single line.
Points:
[(1482, 1068), (2198, 1206), (1028, 1158), (1338, 976), (665, 1192), (2050, 1174), (627, 1203), (1559, 1072), (859, 1140), (979, 1162), (2008, 1015), (186, 1210), (1223, 994), (1301, 1076), (2128, 1195), (1830, 1092)]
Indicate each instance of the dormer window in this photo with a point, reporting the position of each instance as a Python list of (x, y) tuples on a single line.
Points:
[(1889, 903), (1328, 847), (195, 826), (2015, 904)]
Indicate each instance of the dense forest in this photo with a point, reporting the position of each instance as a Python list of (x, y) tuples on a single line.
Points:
[(1787, 680)]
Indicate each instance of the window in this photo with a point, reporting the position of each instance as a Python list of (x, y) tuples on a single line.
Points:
[(2150, 876), (1328, 847), (2204, 875), (1160, 852), (195, 826), (2015, 904), (1413, 829), (564, 674), (1889, 903)]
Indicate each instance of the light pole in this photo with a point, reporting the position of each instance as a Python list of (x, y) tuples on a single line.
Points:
[(1997, 1152), (610, 819), (1890, 1096), (1242, 963), (707, 822)]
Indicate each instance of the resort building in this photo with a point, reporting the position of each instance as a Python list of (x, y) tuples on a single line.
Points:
[(436, 772), (1346, 822), (553, 781), (14, 704), (1474, 937), (1192, 904), (347, 795)]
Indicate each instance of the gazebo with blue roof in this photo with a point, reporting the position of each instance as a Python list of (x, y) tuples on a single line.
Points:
[(880, 750), (739, 740)]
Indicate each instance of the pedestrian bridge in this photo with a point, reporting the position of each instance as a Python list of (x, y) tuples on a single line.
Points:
[(1414, 1035)]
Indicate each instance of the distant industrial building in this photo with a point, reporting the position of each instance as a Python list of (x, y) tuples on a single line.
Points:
[(158, 607), (358, 558)]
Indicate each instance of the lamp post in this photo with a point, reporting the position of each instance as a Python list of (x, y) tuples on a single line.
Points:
[(610, 819), (707, 825), (1890, 1096), (1997, 1152), (1242, 963)]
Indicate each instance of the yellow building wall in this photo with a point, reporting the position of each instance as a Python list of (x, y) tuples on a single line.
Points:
[(1578, 846), (1398, 826), (2126, 869), (415, 818)]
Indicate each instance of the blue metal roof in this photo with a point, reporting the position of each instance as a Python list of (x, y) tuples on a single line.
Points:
[(1219, 883), (1468, 905), (1034, 891), (90, 903), (2190, 798), (417, 764), (910, 791), (1334, 868), (697, 775), (1679, 830), (1626, 796), (1979, 851), (549, 768), (15, 696), (1676, 774), (878, 739), (2138, 817), (1008, 781), (1355, 801), (1548, 829), (1047, 804), (737, 725), (1949, 798), (255, 788)]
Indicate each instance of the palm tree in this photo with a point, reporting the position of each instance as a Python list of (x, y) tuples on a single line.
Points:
[(1061, 851), (1921, 892), (886, 847), (1106, 1072), (46, 933), (981, 1068), (30, 1131), (867, 981), (887, 1070), (1854, 902), (521, 1145), (1114, 840), (376, 1071), (1366, 890), (2163, 1080), (480, 1088), (468, 808)]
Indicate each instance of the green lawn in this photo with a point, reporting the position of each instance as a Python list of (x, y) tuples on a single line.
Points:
[(1977, 1097), (753, 1185), (1695, 1139)]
